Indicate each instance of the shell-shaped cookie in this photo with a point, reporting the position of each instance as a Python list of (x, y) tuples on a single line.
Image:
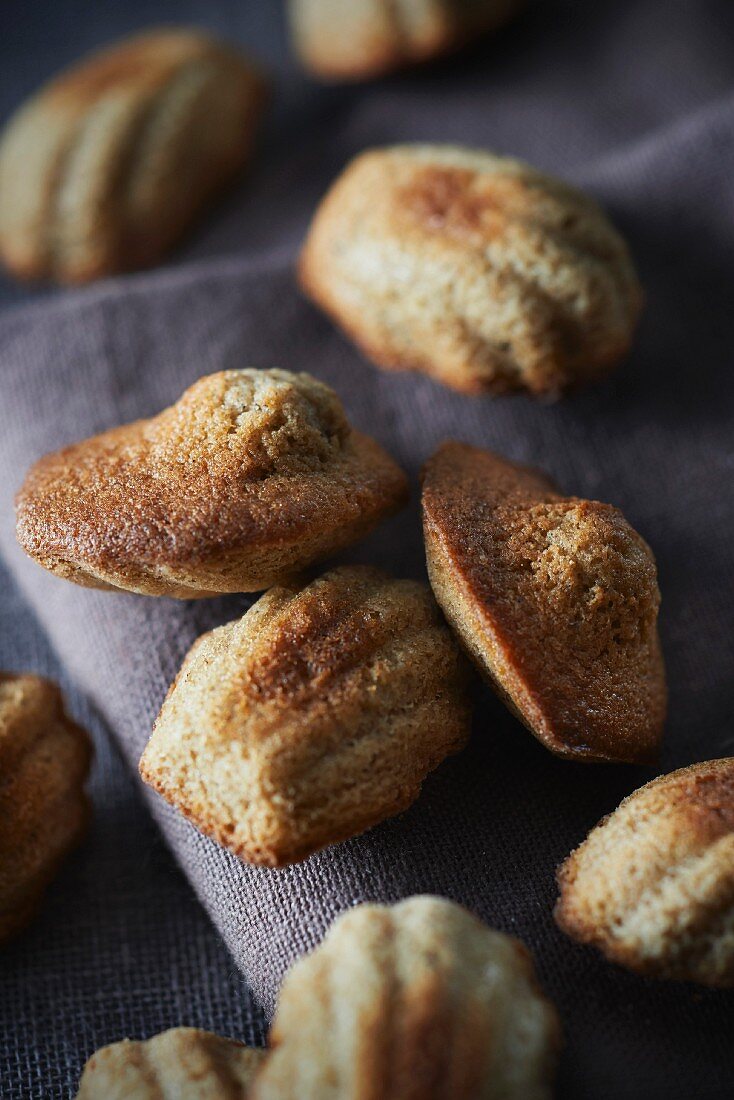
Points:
[(44, 760), (106, 166), (367, 38), (473, 268), (652, 886), (555, 598), (315, 716), (184, 1063), (420, 1001), (249, 477)]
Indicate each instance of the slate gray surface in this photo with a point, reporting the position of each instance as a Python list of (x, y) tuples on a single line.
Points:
[(633, 100)]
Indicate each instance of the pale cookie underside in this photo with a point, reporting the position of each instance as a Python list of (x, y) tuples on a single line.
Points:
[(420, 997), (472, 268), (183, 1063)]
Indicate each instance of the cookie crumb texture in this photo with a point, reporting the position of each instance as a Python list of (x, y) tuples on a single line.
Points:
[(249, 477), (184, 1063), (555, 598), (472, 268), (312, 718), (44, 761), (363, 39), (420, 1001), (652, 886), (105, 167)]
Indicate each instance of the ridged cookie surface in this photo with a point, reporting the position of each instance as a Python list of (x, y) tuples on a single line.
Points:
[(315, 716), (419, 1001), (249, 477), (105, 167), (44, 760), (652, 886), (473, 268), (362, 39), (181, 1064), (555, 598)]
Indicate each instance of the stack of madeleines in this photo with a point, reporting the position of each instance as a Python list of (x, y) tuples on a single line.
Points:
[(321, 711)]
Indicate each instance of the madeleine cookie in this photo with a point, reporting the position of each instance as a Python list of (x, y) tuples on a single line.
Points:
[(105, 167), (313, 717), (250, 476), (475, 269), (184, 1063), (652, 886), (555, 598), (420, 1001), (362, 39), (44, 760)]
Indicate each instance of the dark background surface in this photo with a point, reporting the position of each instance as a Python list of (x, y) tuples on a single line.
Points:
[(603, 93)]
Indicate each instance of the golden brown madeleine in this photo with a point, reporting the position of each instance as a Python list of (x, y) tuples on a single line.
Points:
[(315, 716), (652, 886), (555, 598), (105, 167), (44, 760), (184, 1063), (249, 477), (475, 269), (420, 1001), (362, 39)]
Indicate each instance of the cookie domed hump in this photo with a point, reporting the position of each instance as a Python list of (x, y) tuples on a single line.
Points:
[(249, 477), (555, 598)]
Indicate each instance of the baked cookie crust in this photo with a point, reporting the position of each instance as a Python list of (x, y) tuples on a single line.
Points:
[(556, 600), (419, 1000), (312, 718), (108, 164), (475, 269), (251, 476), (184, 1063), (652, 886), (364, 39), (44, 812)]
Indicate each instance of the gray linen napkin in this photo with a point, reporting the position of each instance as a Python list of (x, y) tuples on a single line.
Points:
[(655, 439), (120, 946)]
